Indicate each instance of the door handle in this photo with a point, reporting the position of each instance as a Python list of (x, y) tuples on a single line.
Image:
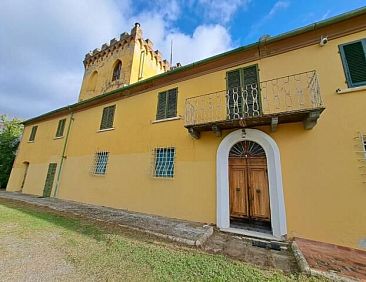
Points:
[(237, 189)]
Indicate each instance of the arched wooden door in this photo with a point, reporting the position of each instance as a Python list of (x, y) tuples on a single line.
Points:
[(249, 194)]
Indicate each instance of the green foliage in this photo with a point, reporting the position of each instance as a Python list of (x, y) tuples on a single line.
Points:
[(10, 132)]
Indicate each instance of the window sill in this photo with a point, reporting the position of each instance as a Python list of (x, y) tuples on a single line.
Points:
[(162, 178), (106, 129), (166, 119), (30, 141), (59, 137), (350, 90)]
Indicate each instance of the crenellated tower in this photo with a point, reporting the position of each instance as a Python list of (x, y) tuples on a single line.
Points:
[(120, 62)]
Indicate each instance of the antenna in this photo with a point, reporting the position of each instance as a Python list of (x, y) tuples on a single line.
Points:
[(171, 52)]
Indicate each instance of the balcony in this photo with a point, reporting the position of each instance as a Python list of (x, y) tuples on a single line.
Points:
[(293, 98)]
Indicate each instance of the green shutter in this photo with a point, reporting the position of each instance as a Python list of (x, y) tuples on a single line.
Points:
[(49, 179), (354, 61), (237, 82), (162, 102), (250, 81), (60, 128), (33, 133), (250, 76), (172, 103), (167, 104), (233, 79), (107, 117), (233, 82)]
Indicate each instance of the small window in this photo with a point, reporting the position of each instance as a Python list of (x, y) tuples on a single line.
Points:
[(164, 162), (93, 81), (363, 140), (354, 62), (167, 104), (107, 117), (117, 71), (100, 163), (33, 133), (60, 128)]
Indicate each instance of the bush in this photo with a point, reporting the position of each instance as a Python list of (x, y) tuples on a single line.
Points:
[(10, 133)]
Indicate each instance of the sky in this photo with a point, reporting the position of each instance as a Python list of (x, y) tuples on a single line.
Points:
[(43, 42)]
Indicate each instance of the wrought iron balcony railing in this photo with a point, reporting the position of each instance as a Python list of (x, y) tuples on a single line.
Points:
[(284, 99)]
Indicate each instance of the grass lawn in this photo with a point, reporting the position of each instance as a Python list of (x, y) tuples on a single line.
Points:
[(36, 245)]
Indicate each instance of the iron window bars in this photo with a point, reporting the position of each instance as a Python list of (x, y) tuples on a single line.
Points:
[(100, 163), (163, 165)]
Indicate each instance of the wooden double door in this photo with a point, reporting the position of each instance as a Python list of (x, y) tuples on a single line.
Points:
[(249, 194)]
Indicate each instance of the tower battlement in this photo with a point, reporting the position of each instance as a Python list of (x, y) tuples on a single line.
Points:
[(124, 40), (119, 62)]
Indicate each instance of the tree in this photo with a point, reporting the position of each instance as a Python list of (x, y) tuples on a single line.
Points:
[(10, 133)]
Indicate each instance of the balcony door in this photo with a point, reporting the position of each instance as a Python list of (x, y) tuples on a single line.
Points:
[(243, 93), (248, 186)]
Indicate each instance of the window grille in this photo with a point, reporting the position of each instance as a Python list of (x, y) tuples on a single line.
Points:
[(167, 104), (60, 128), (100, 163), (107, 117), (164, 159), (32, 136)]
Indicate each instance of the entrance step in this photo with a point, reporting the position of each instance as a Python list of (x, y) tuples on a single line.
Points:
[(263, 253)]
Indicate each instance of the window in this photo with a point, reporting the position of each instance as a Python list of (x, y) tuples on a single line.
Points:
[(164, 162), (60, 128), (243, 92), (100, 163), (363, 140), (32, 136), (354, 62), (117, 70), (93, 81), (167, 104), (142, 61), (107, 117)]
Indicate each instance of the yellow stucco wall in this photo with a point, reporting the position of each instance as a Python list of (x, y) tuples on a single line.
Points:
[(98, 75), (323, 186)]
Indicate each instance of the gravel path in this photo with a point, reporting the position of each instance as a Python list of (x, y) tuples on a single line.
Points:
[(33, 257)]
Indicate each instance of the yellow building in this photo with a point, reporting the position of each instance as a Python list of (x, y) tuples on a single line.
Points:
[(267, 140)]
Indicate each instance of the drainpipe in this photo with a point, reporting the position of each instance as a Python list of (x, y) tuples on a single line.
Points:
[(63, 155)]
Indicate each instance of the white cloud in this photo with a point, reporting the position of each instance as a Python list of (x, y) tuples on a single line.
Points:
[(206, 41), (276, 8), (221, 10), (279, 5), (43, 44)]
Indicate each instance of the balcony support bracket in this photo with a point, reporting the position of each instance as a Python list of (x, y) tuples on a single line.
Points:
[(194, 133), (311, 119), (216, 130), (274, 123)]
